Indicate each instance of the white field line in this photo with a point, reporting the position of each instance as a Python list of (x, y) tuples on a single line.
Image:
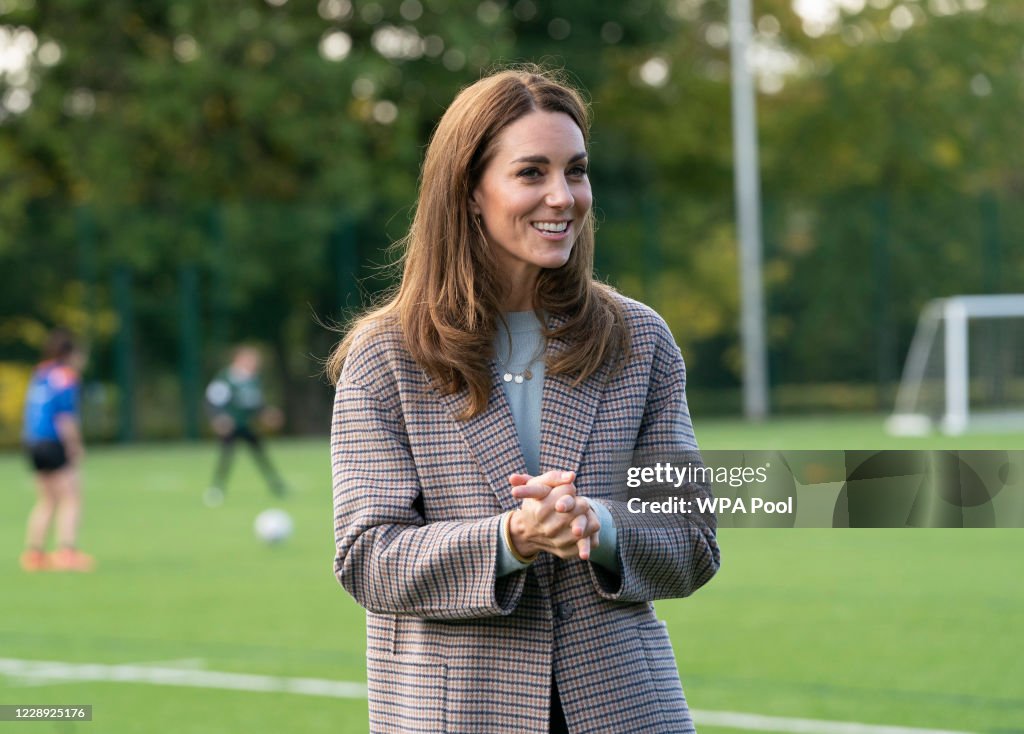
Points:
[(46, 679), (36, 670), (53, 671), (756, 722), (191, 663)]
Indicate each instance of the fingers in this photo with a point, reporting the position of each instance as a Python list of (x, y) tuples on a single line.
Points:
[(531, 491), (578, 526), (547, 481), (586, 523), (567, 523), (536, 490), (555, 478), (586, 528), (551, 478), (595, 525), (583, 548), (568, 548)]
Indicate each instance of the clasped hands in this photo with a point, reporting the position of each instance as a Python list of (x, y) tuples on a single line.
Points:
[(552, 517)]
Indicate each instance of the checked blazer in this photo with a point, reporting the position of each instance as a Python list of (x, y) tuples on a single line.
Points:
[(418, 498)]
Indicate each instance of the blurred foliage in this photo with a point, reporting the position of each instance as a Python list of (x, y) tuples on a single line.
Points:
[(14, 379), (273, 147)]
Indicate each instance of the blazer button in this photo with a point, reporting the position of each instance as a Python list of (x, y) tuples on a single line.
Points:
[(563, 610)]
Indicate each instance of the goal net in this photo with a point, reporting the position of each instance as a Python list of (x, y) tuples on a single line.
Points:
[(965, 368)]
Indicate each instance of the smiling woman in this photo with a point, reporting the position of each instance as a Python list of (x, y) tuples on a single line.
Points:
[(532, 198), (507, 585)]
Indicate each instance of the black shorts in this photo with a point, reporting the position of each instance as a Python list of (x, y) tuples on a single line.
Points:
[(47, 456)]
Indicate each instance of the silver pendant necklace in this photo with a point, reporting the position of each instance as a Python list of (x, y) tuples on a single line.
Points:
[(517, 377), (508, 374)]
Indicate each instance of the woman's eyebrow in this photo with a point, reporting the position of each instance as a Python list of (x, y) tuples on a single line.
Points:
[(545, 159)]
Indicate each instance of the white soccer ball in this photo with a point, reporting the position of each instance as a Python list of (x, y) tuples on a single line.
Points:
[(273, 526)]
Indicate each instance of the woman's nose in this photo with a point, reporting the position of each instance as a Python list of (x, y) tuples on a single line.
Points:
[(560, 195)]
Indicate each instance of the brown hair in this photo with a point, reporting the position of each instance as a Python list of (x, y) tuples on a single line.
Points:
[(449, 298), (60, 345)]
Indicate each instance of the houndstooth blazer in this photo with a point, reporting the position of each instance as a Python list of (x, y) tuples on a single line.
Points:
[(418, 497)]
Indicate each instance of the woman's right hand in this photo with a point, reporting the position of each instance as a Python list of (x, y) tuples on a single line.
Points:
[(552, 517)]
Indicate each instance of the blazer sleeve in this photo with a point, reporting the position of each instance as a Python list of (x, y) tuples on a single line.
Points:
[(661, 556), (388, 558)]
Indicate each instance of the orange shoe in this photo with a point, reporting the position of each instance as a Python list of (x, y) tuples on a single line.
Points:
[(35, 560), (71, 559)]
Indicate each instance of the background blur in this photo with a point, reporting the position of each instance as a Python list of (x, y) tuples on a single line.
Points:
[(178, 176)]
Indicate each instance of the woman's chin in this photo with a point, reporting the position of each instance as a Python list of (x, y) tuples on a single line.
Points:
[(555, 260)]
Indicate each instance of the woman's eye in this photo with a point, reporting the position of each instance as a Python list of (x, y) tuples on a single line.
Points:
[(529, 173), (578, 171)]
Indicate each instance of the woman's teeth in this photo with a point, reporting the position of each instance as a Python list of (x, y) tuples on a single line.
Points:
[(553, 227)]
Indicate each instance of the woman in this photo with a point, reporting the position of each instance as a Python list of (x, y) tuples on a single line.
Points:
[(53, 440), (506, 589)]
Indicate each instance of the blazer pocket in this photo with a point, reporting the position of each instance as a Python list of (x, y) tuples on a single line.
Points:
[(661, 662), (407, 695)]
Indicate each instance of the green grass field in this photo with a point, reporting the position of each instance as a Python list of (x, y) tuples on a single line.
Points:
[(888, 627)]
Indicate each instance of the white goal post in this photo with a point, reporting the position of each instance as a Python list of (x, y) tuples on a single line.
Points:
[(965, 368)]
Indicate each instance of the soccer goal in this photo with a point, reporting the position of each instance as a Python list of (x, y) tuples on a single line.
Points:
[(965, 368)]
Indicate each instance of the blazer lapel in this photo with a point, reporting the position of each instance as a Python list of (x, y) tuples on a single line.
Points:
[(567, 412), (566, 420), (492, 438)]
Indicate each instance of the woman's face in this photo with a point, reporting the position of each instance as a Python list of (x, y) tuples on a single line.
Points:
[(533, 195)]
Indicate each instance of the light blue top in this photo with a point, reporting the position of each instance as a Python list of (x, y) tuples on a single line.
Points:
[(527, 353), (518, 348)]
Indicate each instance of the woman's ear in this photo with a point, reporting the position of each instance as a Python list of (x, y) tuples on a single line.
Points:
[(474, 208)]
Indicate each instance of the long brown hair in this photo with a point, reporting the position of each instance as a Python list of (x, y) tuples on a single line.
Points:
[(449, 300)]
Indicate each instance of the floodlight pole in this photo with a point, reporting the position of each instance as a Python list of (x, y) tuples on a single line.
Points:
[(748, 206)]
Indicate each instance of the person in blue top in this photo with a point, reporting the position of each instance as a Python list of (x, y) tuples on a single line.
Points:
[(53, 440)]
